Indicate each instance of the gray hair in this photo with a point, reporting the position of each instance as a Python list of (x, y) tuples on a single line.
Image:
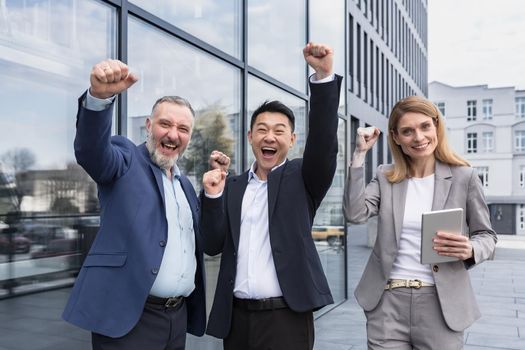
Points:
[(175, 100)]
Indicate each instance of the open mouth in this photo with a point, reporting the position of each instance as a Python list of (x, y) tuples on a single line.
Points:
[(168, 146), (420, 147), (268, 152)]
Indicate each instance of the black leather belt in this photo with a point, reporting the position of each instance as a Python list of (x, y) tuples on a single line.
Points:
[(260, 304), (171, 302)]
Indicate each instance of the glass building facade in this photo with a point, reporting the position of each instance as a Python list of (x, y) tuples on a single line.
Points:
[(225, 57)]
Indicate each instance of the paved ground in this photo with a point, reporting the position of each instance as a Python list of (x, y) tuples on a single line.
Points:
[(33, 322), (499, 287)]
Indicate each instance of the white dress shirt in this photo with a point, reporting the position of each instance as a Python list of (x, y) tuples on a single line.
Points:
[(256, 277), (420, 194)]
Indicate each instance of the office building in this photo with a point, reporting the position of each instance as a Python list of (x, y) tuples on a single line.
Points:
[(487, 127)]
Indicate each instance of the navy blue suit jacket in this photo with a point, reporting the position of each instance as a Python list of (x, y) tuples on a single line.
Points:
[(295, 192), (117, 274)]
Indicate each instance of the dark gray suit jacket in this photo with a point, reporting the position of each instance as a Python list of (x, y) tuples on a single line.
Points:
[(455, 187)]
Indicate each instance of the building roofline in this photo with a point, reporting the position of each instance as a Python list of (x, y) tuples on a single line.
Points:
[(483, 86)]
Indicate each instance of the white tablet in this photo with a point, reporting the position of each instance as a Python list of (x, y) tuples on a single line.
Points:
[(449, 220)]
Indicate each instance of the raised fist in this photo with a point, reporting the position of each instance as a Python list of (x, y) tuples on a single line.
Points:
[(214, 181), (109, 78), (219, 160), (321, 58)]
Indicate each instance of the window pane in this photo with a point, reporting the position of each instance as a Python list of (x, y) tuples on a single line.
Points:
[(260, 91), (327, 25), (520, 107), (47, 49), (276, 37), (216, 22), (211, 86), (329, 229)]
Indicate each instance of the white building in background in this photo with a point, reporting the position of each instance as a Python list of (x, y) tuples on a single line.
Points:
[(487, 127)]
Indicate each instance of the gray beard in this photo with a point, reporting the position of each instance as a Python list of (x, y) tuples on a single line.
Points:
[(161, 160)]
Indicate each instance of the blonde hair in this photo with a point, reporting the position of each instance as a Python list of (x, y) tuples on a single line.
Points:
[(443, 152)]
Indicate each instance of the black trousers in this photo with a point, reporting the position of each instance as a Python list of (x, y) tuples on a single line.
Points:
[(159, 328), (279, 329)]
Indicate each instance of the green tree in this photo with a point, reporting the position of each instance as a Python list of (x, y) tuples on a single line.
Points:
[(211, 132)]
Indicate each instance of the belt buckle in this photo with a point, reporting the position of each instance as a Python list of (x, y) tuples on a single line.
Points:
[(418, 285), (172, 302), (389, 284)]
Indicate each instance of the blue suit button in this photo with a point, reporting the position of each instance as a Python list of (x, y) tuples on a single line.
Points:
[(154, 271), (162, 243)]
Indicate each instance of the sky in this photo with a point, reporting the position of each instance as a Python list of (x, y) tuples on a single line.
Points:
[(477, 42)]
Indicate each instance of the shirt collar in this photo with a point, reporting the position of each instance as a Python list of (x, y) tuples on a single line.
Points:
[(175, 171), (252, 174)]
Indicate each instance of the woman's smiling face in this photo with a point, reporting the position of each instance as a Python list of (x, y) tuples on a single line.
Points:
[(416, 134)]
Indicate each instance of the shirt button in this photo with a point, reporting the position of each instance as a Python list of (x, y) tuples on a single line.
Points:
[(154, 271), (162, 243), (435, 268), (231, 281)]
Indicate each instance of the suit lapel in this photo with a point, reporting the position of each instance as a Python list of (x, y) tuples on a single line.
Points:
[(442, 183), (236, 189), (274, 181), (399, 194), (157, 173)]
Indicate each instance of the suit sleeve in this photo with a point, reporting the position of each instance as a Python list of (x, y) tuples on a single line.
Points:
[(213, 224), (320, 153), (102, 159), (360, 203), (482, 236)]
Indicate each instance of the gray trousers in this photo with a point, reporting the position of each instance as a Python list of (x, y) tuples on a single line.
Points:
[(409, 318)]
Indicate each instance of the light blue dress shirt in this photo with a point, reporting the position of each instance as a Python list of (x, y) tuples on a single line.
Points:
[(176, 275)]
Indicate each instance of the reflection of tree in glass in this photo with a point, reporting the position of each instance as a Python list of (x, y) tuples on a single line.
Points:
[(19, 159), (211, 132)]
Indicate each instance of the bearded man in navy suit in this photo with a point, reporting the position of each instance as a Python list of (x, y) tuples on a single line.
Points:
[(142, 284)]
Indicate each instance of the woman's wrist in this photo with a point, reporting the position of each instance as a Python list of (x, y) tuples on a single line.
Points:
[(358, 159)]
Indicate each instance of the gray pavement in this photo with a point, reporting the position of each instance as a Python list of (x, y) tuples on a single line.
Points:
[(500, 291), (33, 321)]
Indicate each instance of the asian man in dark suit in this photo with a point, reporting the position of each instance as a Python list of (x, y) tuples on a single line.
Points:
[(271, 279), (142, 284)]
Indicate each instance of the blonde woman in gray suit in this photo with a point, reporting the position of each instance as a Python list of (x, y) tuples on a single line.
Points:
[(409, 305)]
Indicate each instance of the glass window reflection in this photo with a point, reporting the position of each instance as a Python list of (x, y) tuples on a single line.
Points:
[(47, 49), (214, 21), (329, 226), (276, 37), (167, 66), (260, 91), (327, 25)]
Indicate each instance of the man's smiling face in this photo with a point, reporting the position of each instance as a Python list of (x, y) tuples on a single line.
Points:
[(169, 131), (271, 137)]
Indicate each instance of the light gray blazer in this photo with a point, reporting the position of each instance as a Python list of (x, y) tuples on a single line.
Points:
[(455, 187)]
